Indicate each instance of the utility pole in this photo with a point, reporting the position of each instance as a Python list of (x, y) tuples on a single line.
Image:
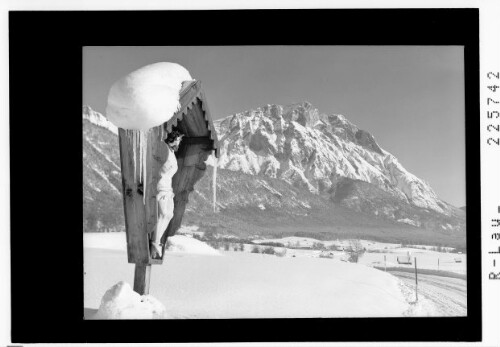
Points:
[(416, 280)]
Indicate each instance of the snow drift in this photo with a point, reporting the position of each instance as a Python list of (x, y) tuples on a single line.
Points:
[(243, 285), (121, 302), (184, 244), (147, 97)]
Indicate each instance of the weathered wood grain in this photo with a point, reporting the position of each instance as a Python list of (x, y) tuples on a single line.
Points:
[(208, 118), (135, 217), (195, 120), (184, 181), (142, 277), (188, 93)]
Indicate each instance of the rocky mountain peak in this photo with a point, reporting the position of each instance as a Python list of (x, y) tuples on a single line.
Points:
[(307, 148)]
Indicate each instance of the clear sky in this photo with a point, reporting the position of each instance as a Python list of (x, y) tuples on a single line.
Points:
[(411, 98)]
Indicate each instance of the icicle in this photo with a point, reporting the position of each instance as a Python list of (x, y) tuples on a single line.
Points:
[(144, 150), (214, 181), (137, 153), (133, 136), (141, 141), (144, 164), (140, 155)]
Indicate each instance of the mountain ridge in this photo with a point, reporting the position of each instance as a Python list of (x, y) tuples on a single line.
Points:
[(303, 146)]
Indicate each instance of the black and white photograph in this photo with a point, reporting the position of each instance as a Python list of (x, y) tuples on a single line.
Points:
[(274, 182), (293, 176)]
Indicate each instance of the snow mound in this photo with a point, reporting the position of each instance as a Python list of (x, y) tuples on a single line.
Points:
[(184, 244), (147, 97), (409, 221), (121, 302)]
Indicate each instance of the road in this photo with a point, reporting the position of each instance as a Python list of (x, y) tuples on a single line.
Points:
[(448, 294)]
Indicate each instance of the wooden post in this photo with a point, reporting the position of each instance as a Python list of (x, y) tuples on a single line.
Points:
[(142, 276), (140, 167), (136, 218), (385, 263), (416, 280)]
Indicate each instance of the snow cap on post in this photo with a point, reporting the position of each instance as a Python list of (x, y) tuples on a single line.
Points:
[(147, 97)]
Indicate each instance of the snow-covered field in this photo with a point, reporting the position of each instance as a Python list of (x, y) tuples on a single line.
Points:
[(193, 283), (376, 251), (425, 260)]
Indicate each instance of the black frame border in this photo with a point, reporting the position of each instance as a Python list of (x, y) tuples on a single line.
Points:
[(45, 51)]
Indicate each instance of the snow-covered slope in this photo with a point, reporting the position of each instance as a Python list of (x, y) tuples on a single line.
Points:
[(98, 119), (244, 285), (102, 201), (306, 148)]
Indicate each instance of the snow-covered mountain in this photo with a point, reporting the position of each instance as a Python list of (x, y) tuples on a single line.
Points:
[(98, 119), (309, 149), (102, 199)]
